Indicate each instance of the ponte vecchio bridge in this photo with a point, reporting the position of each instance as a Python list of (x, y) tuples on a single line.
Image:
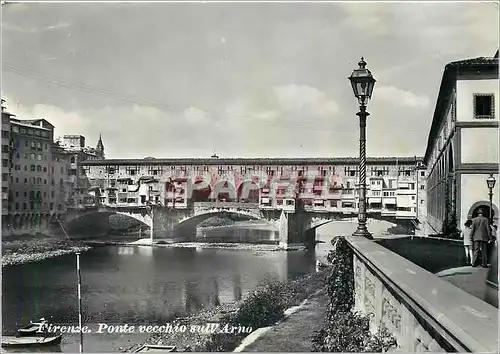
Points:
[(172, 196)]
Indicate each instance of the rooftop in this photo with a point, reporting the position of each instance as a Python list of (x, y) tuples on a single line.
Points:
[(31, 123), (252, 161), (475, 61), (475, 66), (37, 122)]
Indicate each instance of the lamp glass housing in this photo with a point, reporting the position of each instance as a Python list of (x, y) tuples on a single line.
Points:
[(362, 82), (490, 181)]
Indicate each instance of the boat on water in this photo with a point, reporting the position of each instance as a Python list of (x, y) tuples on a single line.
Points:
[(33, 329), (11, 341), (156, 348)]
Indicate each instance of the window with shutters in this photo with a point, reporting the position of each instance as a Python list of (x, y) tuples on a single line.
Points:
[(484, 106)]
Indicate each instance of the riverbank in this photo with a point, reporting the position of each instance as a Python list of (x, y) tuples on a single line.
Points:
[(262, 307), (233, 246), (250, 224), (198, 245), (29, 249)]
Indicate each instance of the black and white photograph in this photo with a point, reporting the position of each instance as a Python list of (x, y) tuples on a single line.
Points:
[(249, 176)]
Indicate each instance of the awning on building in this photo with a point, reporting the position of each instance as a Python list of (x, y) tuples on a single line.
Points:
[(390, 200), (147, 179)]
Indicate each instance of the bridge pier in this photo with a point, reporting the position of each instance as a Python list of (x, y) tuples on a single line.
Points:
[(292, 230), (310, 238), (166, 226)]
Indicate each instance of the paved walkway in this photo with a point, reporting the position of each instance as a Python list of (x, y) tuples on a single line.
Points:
[(469, 279), (294, 333)]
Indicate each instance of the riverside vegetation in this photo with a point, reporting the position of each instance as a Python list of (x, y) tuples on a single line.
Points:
[(344, 329), (263, 307)]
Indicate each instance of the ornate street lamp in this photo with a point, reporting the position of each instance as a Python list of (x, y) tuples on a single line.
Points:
[(490, 181), (362, 82)]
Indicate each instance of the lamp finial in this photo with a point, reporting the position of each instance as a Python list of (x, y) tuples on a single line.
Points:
[(362, 63)]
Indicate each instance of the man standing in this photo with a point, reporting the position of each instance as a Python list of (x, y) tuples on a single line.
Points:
[(480, 234)]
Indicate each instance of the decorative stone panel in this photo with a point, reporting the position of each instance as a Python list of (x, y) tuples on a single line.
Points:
[(359, 284), (373, 298), (369, 298), (423, 340), (391, 316)]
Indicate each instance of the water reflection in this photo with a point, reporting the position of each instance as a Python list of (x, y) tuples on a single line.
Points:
[(201, 294), (126, 251), (138, 285), (256, 234), (52, 349), (145, 251), (237, 293)]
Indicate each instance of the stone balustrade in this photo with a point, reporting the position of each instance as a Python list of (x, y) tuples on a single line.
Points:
[(422, 311)]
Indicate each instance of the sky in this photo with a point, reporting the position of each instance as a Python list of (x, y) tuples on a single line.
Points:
[(237, 79)]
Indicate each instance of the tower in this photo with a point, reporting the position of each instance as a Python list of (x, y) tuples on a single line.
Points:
[(100, 148)]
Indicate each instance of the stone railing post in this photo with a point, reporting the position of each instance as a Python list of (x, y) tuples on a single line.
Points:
[(378, 305), (359, 284)]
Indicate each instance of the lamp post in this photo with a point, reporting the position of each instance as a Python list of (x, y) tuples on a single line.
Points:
[(490, 181), (362, 82)]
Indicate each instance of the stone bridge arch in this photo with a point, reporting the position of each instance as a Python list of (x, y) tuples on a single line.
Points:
[(197, 219), (98, 219), (185, 226), (201, 216), (310, 226)]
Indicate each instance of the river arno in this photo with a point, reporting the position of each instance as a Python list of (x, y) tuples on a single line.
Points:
[(138, 285)]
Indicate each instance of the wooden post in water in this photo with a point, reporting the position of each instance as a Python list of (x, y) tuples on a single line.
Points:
[(151, 238), (79, 300), (62, 227)]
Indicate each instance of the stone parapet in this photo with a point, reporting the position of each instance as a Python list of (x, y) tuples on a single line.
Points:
[(422, 311)]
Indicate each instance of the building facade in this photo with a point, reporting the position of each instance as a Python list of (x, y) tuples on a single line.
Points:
[(393, 184), (6, 162), (38, 184), (77, 151), (31, 187), (462, 149)]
